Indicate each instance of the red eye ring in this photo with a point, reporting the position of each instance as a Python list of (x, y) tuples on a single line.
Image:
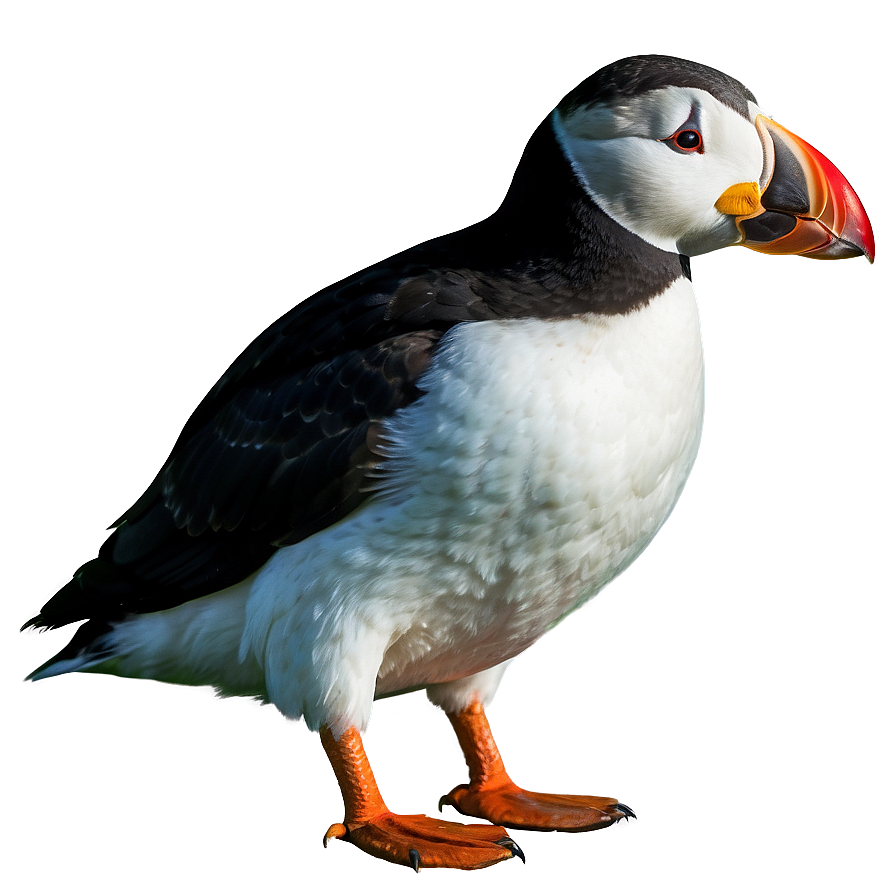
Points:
[(686, 140)]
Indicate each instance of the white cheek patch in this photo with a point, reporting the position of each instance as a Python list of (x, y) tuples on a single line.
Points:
[(665, 197), (631, 185)]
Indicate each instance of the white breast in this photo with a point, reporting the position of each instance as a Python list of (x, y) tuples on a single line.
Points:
[(541, 461)]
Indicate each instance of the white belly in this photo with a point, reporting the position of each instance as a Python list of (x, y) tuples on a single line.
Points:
[(541, 461)]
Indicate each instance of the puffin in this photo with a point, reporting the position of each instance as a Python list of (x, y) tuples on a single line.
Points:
[(412, 475)]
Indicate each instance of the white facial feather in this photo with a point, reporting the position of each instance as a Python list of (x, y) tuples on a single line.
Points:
[(665, 197)]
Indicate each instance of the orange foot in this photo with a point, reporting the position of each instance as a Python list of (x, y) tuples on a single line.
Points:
[(413, 840), (492, 794), (510, 805), (423, 842)]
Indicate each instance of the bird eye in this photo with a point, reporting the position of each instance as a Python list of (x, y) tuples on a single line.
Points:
[(685, 140), (688, 140)]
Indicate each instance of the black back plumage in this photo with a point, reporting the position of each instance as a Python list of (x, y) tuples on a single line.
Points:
[(288, 440)]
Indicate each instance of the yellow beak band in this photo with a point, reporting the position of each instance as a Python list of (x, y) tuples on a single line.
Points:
[(741, 199)]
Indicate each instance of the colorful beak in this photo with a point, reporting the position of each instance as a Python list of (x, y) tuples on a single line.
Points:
[(806, 206)]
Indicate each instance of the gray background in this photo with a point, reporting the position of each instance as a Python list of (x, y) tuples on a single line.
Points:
[(176, 176)]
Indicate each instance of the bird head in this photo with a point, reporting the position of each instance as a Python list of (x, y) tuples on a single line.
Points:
[(681, 155)]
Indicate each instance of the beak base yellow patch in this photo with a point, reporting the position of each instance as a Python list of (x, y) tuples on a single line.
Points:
[(739, 200)]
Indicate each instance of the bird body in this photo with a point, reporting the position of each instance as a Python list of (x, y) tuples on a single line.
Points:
[(506, 501), (414, 474)]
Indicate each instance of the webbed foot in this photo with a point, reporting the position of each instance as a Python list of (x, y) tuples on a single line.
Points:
[(509, 805), (422, 842)]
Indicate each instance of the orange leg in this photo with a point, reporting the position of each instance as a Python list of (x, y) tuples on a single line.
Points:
[(413, 840), (492, 795)]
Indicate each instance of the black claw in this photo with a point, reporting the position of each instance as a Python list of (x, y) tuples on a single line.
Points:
[(513, 846), (415, 860), (625, 810), (443, 801)]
